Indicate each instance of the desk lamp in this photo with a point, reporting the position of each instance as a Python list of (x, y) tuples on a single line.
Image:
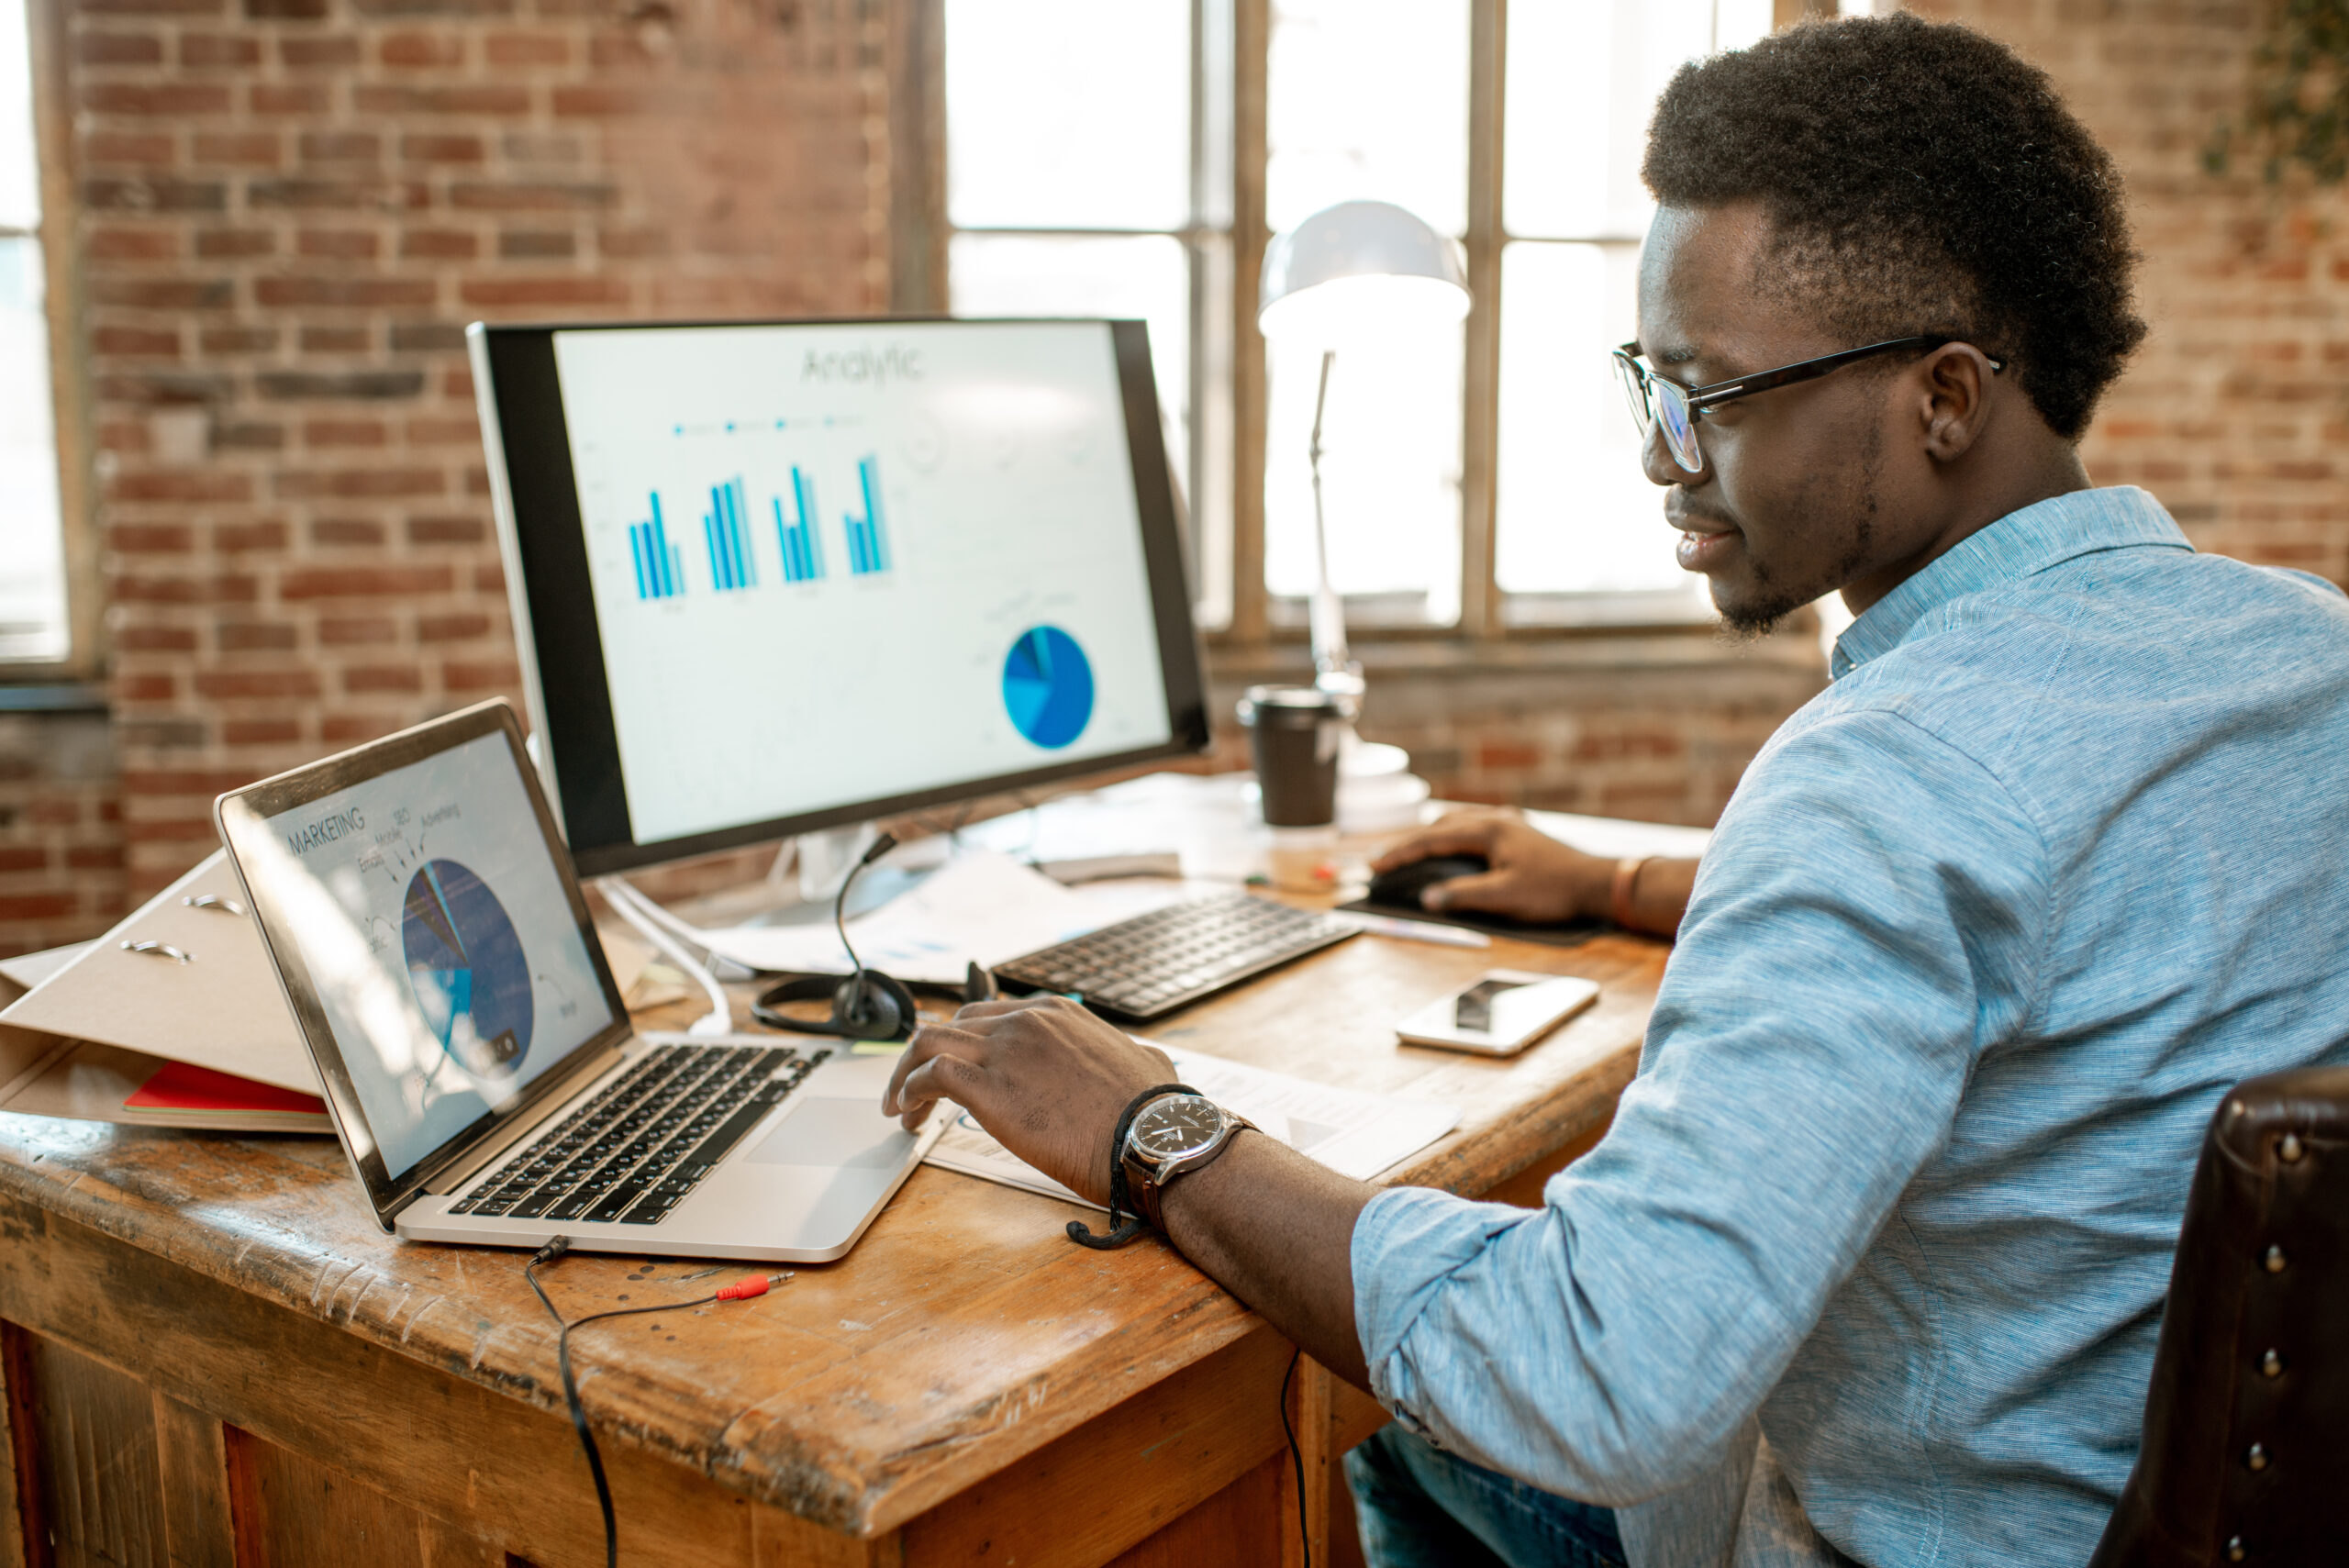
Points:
[(1351, 274)]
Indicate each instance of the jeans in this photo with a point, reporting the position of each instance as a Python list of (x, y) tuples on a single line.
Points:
[(1420, 1507)]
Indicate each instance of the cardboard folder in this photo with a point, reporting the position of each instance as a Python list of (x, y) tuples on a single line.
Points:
[(204, 993), (173, 1018)]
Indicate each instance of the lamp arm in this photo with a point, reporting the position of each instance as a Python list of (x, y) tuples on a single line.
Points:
[(1333, 666)]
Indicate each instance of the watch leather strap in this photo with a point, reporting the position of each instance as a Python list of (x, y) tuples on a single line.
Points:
[(1120, 1199)]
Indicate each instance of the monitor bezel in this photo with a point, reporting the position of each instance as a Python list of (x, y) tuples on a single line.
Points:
[(542, 543), (242, 813)]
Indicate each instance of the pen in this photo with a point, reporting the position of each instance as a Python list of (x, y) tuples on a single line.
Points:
[(1421, 932)]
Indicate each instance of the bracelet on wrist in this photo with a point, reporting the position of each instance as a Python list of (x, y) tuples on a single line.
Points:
[(1619, 898)]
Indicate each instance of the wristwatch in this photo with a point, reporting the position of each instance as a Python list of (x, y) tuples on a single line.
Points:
[(1173, 1134)]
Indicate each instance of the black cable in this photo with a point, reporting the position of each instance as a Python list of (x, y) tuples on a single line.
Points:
[(548, 1254), (1303, 1536)]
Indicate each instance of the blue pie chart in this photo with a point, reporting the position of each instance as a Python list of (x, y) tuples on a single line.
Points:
[(1047, 686), (465, 962)]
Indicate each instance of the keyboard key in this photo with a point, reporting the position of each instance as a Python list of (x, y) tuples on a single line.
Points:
[(614, 1202), (732, 1130)]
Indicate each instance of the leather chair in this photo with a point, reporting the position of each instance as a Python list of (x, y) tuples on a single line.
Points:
[(2245, 1456)]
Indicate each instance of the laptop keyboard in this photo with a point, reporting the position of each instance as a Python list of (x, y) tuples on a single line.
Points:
[(633, 1153)]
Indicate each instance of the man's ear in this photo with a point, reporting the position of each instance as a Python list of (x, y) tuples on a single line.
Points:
[(1952, 399)]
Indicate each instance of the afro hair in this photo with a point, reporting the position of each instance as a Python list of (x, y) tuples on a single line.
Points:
[(1918, 178)]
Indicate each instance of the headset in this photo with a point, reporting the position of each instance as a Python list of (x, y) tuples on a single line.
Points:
[(868, 1005)]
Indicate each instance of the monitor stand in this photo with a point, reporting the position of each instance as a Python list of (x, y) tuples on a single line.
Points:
[(783, 898)]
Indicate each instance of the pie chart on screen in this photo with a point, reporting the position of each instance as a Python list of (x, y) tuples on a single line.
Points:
[(1047, 686), (466, 965)]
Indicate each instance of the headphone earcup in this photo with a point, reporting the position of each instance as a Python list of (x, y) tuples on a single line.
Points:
[(881, 1008), (801, 988)]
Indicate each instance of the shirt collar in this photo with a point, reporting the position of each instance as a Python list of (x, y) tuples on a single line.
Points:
[(2017, 545)]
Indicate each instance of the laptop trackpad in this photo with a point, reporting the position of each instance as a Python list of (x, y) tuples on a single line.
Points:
[(836, 1134)]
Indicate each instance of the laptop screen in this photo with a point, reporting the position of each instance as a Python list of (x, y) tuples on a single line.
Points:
[(439, 939)]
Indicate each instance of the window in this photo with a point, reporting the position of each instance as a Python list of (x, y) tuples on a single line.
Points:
[(1368, 98), (1577, 525), (35, 622), (1088, 174), (1135, 158)]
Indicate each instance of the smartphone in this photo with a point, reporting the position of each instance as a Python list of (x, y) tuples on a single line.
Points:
[(1500, 1015)]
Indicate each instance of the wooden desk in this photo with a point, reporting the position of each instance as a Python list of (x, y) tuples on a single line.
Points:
[(212, 1356)]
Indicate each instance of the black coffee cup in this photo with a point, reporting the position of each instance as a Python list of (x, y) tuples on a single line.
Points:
[(1295, 733)]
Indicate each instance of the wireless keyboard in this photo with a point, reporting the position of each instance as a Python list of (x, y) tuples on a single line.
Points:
[(1148, 966)]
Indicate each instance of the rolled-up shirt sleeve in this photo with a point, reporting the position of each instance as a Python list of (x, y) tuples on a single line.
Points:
[(1864, 924)]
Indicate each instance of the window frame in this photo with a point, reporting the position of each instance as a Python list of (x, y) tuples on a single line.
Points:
[(1240, 612), (84, 659)]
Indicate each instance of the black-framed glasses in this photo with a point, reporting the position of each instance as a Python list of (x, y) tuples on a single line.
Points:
[(1676, 409)]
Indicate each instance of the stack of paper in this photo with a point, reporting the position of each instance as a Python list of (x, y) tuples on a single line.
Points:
[(982, 907), (1354, 1133)]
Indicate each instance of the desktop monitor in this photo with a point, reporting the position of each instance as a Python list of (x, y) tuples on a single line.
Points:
[(776, 576)]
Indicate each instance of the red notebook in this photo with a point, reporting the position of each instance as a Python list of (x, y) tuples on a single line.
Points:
[(180, 1086)]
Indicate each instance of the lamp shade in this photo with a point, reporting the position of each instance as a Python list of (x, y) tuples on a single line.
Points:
[(1357, 267)]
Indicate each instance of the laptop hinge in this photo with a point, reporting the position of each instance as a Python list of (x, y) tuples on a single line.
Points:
[(460, 1171)]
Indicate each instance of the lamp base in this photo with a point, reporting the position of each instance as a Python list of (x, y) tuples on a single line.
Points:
[(1377, 793)]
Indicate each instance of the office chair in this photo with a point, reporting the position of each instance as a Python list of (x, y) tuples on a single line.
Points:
[(2245, 1456)]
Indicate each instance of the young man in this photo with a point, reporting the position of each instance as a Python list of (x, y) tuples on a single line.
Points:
[(1870, 1266)]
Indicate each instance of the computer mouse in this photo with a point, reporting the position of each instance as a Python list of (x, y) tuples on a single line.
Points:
[(1404, 884)]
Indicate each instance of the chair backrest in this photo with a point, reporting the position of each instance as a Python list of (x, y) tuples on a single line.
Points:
[(2246, 1448)]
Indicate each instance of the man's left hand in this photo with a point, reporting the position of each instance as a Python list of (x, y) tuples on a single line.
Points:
[(1046, 1077)]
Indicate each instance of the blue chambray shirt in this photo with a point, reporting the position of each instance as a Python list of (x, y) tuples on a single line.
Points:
[(1989, 927)]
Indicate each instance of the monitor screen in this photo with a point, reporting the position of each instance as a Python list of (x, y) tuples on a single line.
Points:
[(775, 576), (439, 939)]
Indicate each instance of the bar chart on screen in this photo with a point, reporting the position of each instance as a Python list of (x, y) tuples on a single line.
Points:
[(732, 547), (868, 540), (730, 566), (659, 570), (802, 545)]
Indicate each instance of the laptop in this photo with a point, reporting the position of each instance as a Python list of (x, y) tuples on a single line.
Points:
[(435, 950)]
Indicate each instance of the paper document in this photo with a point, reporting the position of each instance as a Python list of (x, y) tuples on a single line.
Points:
[(1354, 1133), (1614, 838), (1083, 839), (981, 907)]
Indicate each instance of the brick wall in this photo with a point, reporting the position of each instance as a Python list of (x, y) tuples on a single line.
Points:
[(1611, 726), (60, 833), (291, 207), (2234, 412)]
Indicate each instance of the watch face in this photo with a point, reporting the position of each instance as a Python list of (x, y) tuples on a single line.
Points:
[(1176, 1125)]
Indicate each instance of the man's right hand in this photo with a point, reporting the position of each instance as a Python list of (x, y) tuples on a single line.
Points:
[(1533, 877)]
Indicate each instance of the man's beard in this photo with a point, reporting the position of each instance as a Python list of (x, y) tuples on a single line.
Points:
[(1749, 623)]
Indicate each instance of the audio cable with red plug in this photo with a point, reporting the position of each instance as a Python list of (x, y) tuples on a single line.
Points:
[(743, 1289)]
